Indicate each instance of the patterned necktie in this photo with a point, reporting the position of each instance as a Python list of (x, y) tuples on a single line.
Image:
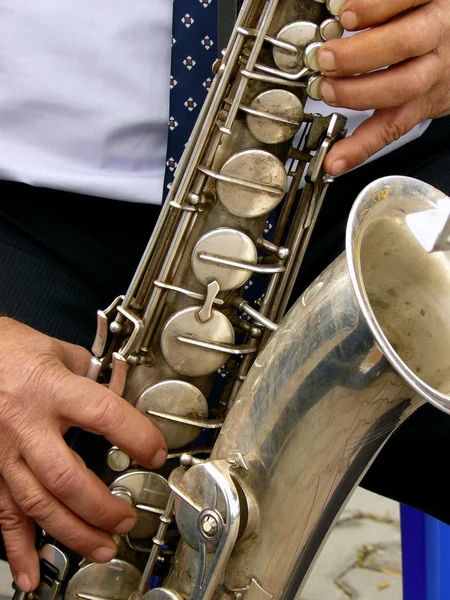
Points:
[(194, 49)]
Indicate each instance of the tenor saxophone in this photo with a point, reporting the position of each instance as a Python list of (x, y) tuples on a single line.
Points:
[(261, 461)]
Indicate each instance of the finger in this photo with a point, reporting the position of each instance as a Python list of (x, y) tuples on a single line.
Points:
[(18, 533), (415, 34), (93, 408), (75, 358), (380, 130), (55, 518), (390, 87), (359, 14), (66, 476)]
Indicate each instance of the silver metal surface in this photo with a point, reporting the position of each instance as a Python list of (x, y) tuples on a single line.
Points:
[(335, 6), (300, 34), (205, 313), (211, 524), (117, 460), (195, 361), (240, 264), (230, 243), (331, 29), (257, 317), (432, 227), (281, 104), (314, 87), (194, 295), (312, 395), (311, 54), (103, 321), (175, 398), (362, 349), (257, 167), (58, 559), (158, 542), (116, 579), (162, 594), (216, 346), (217, 496), (123, 493), (149, 492), (180, 312), (199, 423)]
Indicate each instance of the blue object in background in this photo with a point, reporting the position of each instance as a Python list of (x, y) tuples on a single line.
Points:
[(425, 555)]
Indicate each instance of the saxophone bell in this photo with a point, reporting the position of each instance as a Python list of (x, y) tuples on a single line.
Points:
[(362, 349)]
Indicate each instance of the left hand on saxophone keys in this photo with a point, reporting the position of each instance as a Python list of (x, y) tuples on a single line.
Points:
[(398, 63)]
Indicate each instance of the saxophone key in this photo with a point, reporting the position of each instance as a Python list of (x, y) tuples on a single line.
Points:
[(300, 34), (236, 245), (314, 86), (168, 404), (118, 460), (95, 581), (196, 359), (311, 56), (335, 6), (251, 183), (149, 493), (274, 116), (331, 29)]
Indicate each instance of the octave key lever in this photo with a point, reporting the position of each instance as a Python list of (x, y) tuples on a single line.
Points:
[(205, 313)]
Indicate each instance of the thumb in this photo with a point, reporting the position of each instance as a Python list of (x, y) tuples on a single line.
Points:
[(375, 133)]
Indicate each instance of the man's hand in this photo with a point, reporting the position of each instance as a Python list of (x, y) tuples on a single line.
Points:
[(412, 39), (42, 394)]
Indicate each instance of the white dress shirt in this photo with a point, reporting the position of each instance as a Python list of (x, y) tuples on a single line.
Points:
[(84, 95)]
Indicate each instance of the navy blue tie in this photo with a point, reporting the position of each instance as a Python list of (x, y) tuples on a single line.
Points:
[(194, 49)]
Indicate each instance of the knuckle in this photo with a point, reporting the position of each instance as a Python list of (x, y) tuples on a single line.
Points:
[(108, 413), (36, 505), (439, 14), (9, 411), (409, 42), (64, 482), (392, 131), (11, 520), (419, 83), (75, 357), (440, 66), (41, 377)]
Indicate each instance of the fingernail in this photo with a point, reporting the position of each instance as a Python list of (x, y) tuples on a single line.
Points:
[(159, 459), (338, 167), (335, 6), (326, 60), (103, 555), (125, 526), (349, 20), (327, 92), (23, 582)]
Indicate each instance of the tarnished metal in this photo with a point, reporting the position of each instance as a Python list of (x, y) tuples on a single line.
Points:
[(360, 351), (174, 399), (255, 479), (271, 419)]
